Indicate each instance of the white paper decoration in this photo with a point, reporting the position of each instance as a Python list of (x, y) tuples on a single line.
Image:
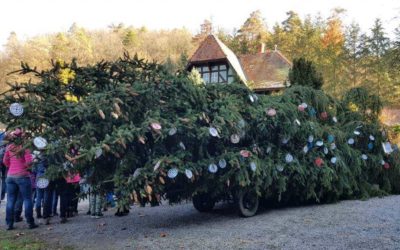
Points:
[(213, 131), (305, 149), (288, 158), (269, 149), (235, 138), (364, 157), (40, 142), (253, 166), (333, 160), (387, 147), (383, 162), (326, 151), (319, 143), (304, 105), (189, 173), (333, 146), (137, 173), (350, 141), (251, 98), (98, 153), (172, 131), (297, 122), (371, 137), (279, 168), (285, 140), (241, 123), (182, 146), (356, 132), (222, 163), (157, 165), (334, 119), (42, 183), (16, 109), (310, 138), (172, 173), (212, 168)]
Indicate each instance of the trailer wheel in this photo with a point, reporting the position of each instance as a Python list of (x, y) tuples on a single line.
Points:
[(203, 203), (247, 203)]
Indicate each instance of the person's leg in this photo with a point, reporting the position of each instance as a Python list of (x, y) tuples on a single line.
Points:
[(38, 203), (99, 205), (25, 186), (63, 191), (48, 200), (92, 203), (12, 194), (3, 182), (56, 194), (18, 207), (77, 190)]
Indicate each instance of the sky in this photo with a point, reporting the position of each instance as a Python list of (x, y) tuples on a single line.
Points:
[(36, 17)]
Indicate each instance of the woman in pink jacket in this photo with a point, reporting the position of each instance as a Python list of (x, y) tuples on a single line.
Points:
[(18, 162)]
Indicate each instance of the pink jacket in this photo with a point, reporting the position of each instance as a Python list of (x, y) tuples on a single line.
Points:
[(17, 166)]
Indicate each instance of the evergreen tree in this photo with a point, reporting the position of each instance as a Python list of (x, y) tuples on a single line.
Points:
[(303, 73)]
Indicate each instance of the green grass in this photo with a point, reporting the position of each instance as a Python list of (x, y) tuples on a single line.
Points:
[(17, 240)]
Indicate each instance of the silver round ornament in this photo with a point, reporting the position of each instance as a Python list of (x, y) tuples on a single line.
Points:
[(172, 131), (235, 138), (16, 109), (310, 138), (288, 158), (371, 137), (319, 143), (212, 168), (364, 157), (189, 173), (213, 131), (172, 173), (333, 160), (137, 173), (304, 105), (280, 168), (253, 166), (326, 151), (350, 141), (42, 183), (40, 142), (222, 163)]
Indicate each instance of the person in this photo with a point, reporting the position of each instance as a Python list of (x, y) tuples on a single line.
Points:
[(18, 161), (3, 137), (73, 181)]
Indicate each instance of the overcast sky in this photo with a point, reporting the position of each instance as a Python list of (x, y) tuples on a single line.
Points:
[(32, 17)]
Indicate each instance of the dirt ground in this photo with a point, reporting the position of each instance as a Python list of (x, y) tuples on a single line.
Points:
[(371, 224)]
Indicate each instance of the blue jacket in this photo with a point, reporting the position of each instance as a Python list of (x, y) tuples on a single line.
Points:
[(39, 168)]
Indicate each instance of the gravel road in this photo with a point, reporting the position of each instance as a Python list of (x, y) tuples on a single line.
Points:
[(371, 224)]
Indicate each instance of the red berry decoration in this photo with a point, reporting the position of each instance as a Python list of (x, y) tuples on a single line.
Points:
[(386, 165), (324, 115), (319, 162)]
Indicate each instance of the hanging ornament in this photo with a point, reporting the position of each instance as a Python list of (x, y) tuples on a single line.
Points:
[(319, 143), (356, 132), (305, 149), (157, 166), (288, 158), (253, 166), (137, 173), (245, 153), (312, 112), (42, 183), (40, 142), (182, 146), (235, 138), (300, 108), (333, 160), (310, 138), (386, 165), (222, 163), (188, 173), (364, 157), (213, 131), (269, 149), (285, 140), (331, 138), (271, 112), (16, 109), (319, 162), (280, 168), (334, 119), (370, 146), (251, 98), (310, 145), (212, 168), (156, 126), (382, 162), (98, 153), (350, 141), (172, 173), (333, 146), (297, 122), (326, 151), (371, 137), (172, 131), (387, 147), (304, 105), (324, 115)]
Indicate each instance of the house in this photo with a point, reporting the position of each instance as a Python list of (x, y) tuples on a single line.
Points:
[(263, 72)]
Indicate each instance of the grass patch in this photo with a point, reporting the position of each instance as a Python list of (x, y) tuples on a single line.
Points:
[(17, 240)]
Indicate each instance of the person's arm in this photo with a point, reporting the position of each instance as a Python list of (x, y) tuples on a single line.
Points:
[(6, 158), (28, 158)]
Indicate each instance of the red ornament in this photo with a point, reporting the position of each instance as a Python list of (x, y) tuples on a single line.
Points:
[(319, 162), (245, 153), (324, 115), (301, 108), (386, 165)]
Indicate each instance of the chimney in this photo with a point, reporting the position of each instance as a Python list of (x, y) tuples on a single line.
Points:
[(262, 48)]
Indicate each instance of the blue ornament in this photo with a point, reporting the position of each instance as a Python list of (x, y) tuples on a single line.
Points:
[(331, 138), (370, 146), (312, 112), (310, 145)]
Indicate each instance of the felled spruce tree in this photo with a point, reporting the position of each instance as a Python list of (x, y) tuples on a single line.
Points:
[(150, 134)]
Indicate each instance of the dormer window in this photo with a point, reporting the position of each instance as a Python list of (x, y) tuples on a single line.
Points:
[(215, 73)]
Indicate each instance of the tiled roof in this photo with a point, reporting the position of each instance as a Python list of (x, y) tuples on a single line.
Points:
[(265, 71)]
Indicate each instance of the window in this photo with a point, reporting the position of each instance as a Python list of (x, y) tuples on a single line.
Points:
[(216, 73)]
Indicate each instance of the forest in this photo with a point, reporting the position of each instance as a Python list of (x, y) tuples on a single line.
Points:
[(346, 56)]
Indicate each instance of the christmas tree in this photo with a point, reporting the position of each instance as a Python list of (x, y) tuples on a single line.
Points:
[(149, 134)]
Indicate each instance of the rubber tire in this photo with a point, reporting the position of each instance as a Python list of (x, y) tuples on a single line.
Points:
[(244, 208), (203, 203)]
